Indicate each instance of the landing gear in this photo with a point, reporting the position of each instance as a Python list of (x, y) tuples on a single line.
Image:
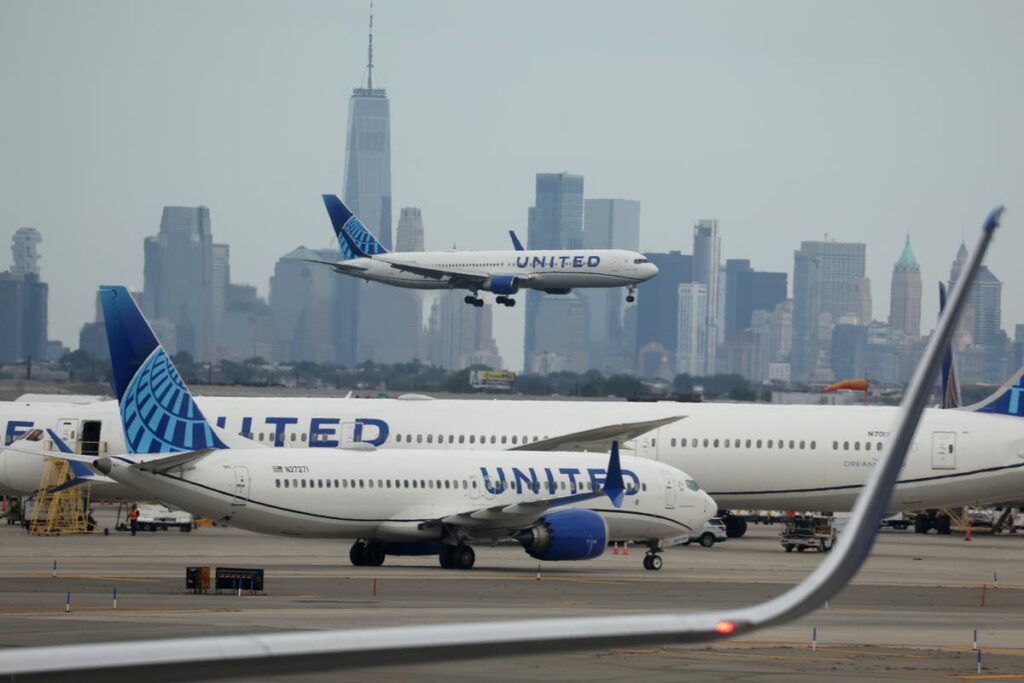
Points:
[(652, 560), (364, 554), (735, 526), (456, 557), (943, 525), (631, 294), (921, 523), (505, 300), (474, 300)]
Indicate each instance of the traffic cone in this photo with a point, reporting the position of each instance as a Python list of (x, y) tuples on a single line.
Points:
[(625, 548), (616, 550)]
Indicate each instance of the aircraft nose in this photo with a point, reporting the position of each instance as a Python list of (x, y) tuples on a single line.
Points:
[(650, 270)]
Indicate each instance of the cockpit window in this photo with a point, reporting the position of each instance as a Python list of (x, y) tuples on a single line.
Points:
[(641, 260), (33, 435), (692, 485)]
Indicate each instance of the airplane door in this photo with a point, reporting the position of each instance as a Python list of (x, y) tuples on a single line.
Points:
[(670, 489), (646, 445), (241, 492), (943, 450), (67, 430)]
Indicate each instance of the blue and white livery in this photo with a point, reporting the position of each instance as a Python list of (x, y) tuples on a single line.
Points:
[(503, 273)]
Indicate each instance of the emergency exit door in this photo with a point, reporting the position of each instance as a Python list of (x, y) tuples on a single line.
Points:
[(943, 450), (241, 492)]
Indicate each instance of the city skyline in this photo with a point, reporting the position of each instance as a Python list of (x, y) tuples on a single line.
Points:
[(94, 159)]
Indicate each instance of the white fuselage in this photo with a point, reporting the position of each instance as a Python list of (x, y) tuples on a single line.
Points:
[(392, 495), (533, 269), (745, 455)]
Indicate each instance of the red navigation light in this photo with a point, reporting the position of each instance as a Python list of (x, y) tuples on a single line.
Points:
[(725, 628)]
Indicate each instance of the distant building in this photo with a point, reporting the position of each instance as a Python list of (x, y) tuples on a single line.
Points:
[(748, 290), (220, 280), (692, 337), (707, 248), (24, 302), (828, 284), (410, 230), (905, 294), (561, 334), (460, 336), (774, 330), (25, 252), (302, 305), (658, 308), (610, 224), (247, 329), (178, 275), (554, 222)]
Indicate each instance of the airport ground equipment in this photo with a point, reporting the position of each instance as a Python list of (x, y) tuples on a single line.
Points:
[(238, 579), (197, 579), (190, 659), (58, 508), (808, 532)]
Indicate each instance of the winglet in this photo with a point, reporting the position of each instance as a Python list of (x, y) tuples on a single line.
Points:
[(614, 486), (515, 241)]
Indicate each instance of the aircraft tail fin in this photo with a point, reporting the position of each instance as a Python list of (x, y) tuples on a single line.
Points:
[(1006, 400), (515, 241), (360, 242), (158, 413)]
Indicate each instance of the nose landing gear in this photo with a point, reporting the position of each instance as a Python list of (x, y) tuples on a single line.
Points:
[(631, 294)]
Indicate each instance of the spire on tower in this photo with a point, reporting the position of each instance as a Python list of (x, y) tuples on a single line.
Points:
[(369, 63)]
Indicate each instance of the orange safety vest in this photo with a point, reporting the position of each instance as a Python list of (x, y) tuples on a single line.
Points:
[(134, 514)]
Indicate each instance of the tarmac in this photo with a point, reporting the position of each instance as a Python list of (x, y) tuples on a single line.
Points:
[(909, 615)]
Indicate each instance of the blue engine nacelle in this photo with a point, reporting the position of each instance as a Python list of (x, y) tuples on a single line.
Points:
[(566, 535), (502, 284)]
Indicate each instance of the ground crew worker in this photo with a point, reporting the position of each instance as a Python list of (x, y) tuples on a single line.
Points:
[(133, 517)]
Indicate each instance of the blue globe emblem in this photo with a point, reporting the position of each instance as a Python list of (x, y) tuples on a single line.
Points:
[(159, 415)]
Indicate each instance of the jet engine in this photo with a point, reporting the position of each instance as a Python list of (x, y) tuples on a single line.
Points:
[(566, 535), (502, 284)]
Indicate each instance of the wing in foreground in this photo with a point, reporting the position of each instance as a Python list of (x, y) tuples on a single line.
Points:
[(195, 658)]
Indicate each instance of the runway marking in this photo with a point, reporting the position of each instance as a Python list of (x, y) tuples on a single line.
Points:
[(684, 653), (87, 577), (871, 653), (988, 677)]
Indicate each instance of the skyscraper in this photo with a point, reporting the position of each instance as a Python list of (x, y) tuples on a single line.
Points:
[(302, 307), (555, 222), (905, 294), (691, 353), (657, 327), (981, 322), (25, 252), (828, 284), (178, 275), (707, 247), (368, 155), (23, 302), (410, 230), (609, 224), (561, 335), (389, 319)]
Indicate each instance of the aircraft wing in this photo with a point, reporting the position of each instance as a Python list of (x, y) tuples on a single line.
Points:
[(598, 439), (191, 659), (455, 278), (517, 515)]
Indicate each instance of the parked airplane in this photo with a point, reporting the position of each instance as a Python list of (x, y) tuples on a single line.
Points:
[(288, 653), (747, 456), (393, 502), (502, 272)]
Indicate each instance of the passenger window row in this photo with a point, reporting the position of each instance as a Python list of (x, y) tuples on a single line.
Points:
[(374, 483), (514, 439), (745, 443)]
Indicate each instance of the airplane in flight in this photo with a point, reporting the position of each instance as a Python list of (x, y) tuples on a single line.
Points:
[(263, 654), (504, 273), (391, 502)]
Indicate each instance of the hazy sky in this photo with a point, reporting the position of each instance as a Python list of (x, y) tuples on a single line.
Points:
[(784, 120)]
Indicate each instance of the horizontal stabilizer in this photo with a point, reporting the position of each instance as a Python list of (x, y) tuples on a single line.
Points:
[(1007, 399)]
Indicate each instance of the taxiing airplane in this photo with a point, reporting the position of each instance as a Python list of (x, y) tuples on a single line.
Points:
[(393, 502), (502, 272)]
